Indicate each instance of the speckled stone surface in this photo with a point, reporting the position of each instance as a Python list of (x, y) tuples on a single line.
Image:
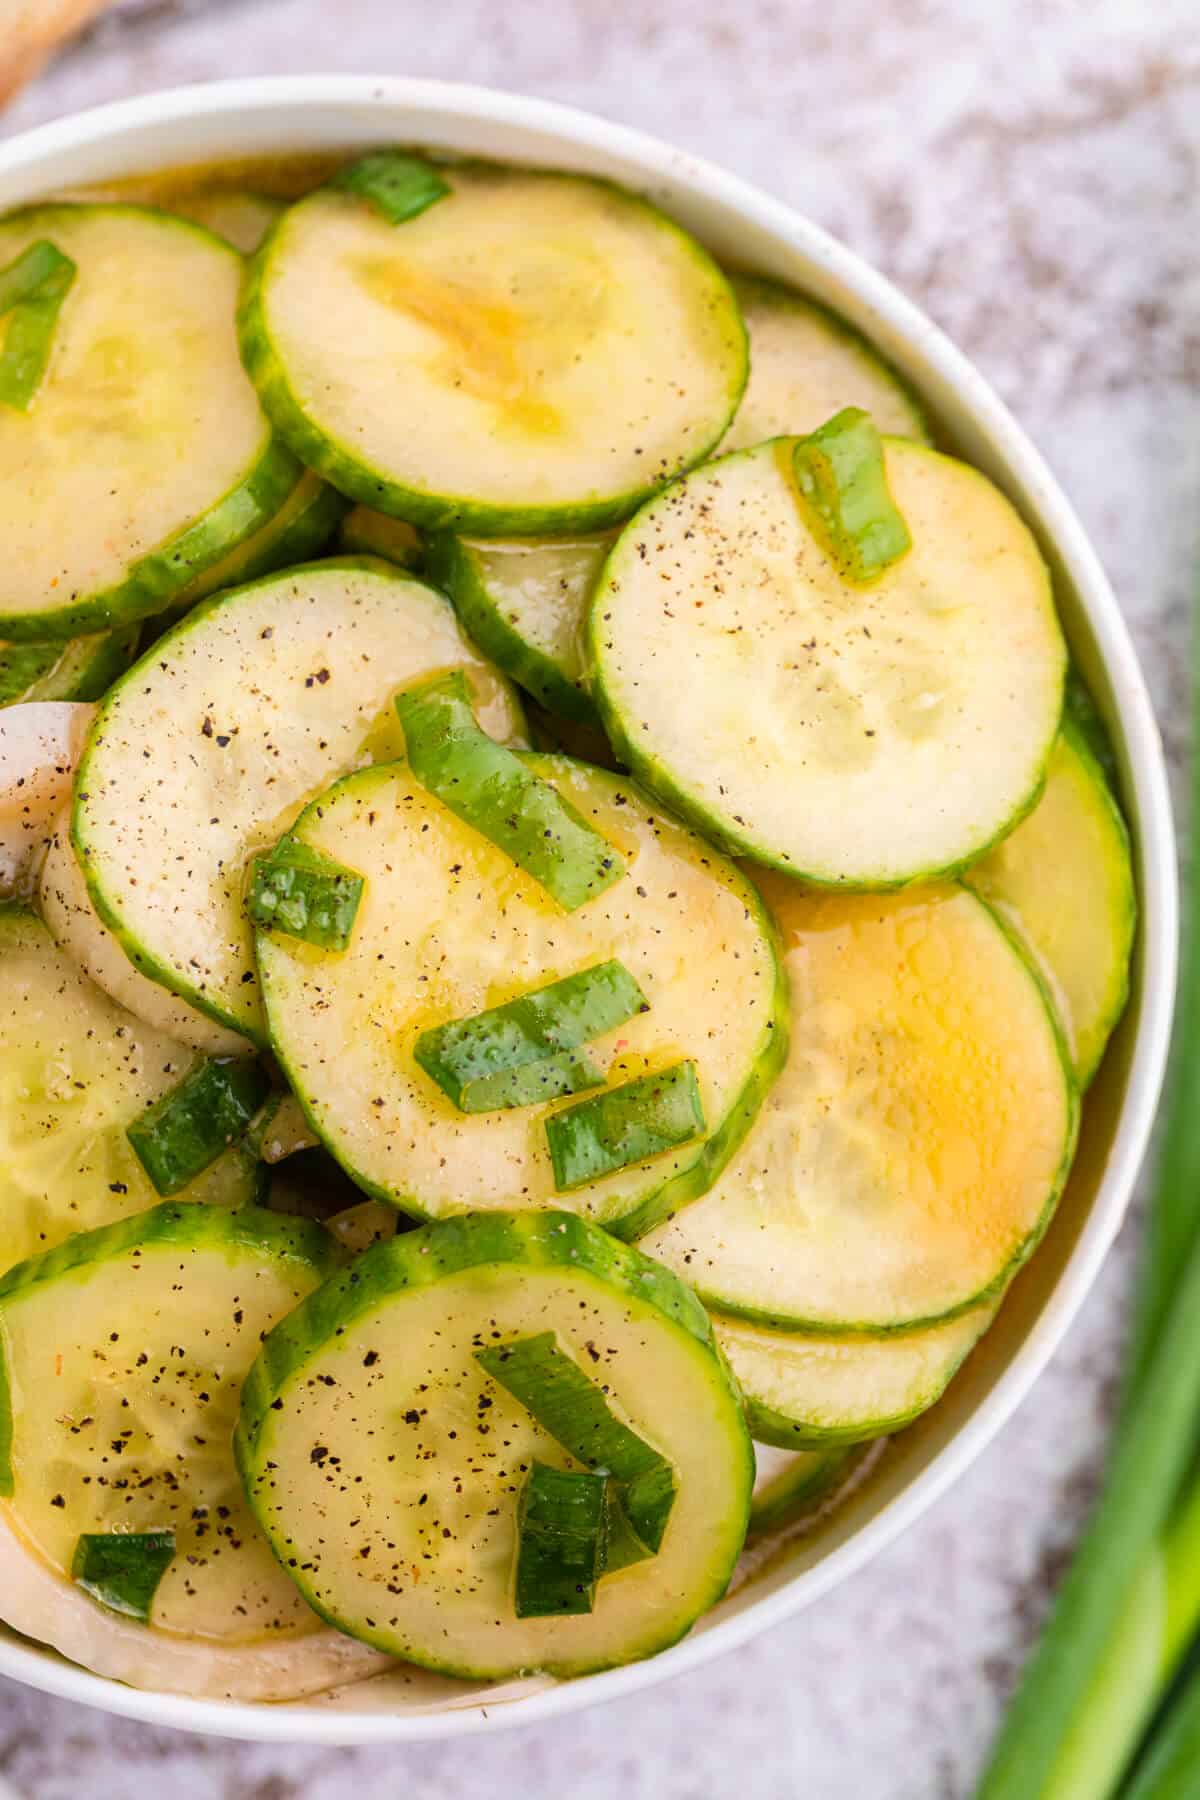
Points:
[(1029, 170)]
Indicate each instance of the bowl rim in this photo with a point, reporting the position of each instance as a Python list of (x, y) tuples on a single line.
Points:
[(401, 105)]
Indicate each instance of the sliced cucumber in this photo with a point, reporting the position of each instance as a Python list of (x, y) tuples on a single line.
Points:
[(77, 1070), (805, 365), (562, 348), (77, 928), (809, 1391), (208, 748), (123, 1354), (367, 533), (374, 1386), (40, 746), (819, 716), (144, 457), (1064, 881), (238, 215), (299, 531), (525, 604), (357, 1228), (79, 669), (449, 927), (790, 1488), (911, 1154), (1081, 710), (568, 737), (280, 1130)]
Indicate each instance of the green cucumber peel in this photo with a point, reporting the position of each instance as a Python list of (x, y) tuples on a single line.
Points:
[(22, 666), (561, 1528), (305, 894), (494, 791), (568, 1404), (81, 668), (839, 470), (122, 1569), (466, 1057), (796, 1492), (624, 1125), (185, 1130), (397, 184), (157, 579), (32, 290)]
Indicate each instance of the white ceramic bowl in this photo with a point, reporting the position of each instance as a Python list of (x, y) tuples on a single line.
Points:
[(247, 118)]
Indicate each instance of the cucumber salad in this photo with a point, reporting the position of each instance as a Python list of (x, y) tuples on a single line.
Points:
[(561, 898)]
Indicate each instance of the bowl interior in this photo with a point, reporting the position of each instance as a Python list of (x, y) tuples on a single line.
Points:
[(745, 228)]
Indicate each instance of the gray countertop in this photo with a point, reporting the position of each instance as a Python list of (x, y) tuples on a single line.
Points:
[(1029, 170)]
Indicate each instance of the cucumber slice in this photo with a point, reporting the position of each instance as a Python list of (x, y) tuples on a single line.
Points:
[(790, 1488), (241, 217), (77, 928), (562, 348), (78, 1070), (818, 716), (1081, 710), (145, 456), (215, 741), (449, 927), (1064, 881), (79, 669), (40, 746), (525, 605), (805, 364), (802, 1390), (123, 1354), (357, 1228), (299, 531), (912, 1152), (568, 737), (367, 533), (373, 1386), (280, 1130)]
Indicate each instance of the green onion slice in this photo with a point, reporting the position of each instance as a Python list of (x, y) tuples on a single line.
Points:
[(842, 479), (469, 1057), (495, 792), (188, 1128), (305, 894), (571, 1407), (32, 290), (561, 1529), (122, 1569), (625, 1125), (398, 185)]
